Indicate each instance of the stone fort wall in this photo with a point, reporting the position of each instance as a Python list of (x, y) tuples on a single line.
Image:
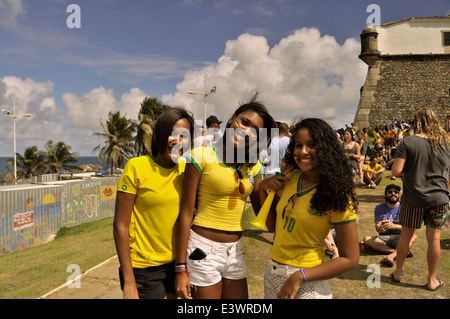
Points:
[(398, 86)]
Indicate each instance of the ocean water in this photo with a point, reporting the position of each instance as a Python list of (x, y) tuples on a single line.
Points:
[(5, 169)]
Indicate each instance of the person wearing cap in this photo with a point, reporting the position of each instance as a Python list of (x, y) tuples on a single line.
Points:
[(213, 122), (208, 137), (387, 226)]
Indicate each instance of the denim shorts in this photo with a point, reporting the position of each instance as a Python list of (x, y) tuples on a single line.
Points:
[(390, 240), (221, 260), (276, 275)]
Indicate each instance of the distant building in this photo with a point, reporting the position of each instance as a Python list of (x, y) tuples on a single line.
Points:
[(408, 69)]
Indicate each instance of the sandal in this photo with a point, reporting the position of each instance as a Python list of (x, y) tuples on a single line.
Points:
[(392, 276), (386, 261), (439, 286), (362, 247)]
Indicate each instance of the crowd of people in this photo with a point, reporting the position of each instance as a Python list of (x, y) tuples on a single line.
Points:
[(179, 217)]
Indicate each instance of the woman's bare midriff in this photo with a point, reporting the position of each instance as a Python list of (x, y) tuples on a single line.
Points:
[(216, 235)]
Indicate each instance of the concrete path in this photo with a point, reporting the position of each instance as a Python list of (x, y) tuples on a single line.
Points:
[(100, 282)]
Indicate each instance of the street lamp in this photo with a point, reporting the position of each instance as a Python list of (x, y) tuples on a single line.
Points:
[(206, 93), (14, 117)]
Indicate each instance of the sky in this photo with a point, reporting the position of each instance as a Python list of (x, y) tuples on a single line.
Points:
[(69, 67)]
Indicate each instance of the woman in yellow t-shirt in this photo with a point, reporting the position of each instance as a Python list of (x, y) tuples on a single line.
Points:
[(318, 195), (147, 209), (209, 247)]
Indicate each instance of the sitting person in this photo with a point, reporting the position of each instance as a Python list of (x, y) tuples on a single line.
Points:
[(373, 172), (379, 149), (387, 226)]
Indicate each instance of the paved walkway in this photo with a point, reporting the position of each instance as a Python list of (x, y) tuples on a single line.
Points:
[(100, 282)]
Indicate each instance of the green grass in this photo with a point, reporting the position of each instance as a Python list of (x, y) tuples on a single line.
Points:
[(35, 271)]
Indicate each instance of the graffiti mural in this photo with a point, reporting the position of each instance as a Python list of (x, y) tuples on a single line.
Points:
[(29, 215), (89, 200)]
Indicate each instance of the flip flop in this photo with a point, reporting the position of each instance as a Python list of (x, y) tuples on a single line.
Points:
[(439, 286), (393, 278), (386, 261), (362, 247)]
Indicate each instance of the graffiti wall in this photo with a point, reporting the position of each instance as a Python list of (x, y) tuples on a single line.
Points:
[(30, 214), (89, 200)]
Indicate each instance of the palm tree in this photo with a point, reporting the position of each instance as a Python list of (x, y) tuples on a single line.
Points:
[(118, 145), (31, 163), (151, 109), (59, 156)]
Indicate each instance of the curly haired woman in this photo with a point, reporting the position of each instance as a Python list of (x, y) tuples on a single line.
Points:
[(318, 195)]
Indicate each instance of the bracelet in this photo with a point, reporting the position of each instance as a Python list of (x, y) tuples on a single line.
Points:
[(303, 274), (181, 268)]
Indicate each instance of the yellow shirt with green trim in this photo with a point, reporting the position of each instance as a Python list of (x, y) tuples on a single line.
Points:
[(155, 213), (219, 203), (299, 236)]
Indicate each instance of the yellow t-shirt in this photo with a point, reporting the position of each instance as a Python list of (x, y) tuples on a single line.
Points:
[(155, 213), (377, 137), (376, 168), (219, 203), (299, 236)]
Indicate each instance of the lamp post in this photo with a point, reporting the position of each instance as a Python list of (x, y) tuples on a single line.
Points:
[(206, 93), (14, 117)]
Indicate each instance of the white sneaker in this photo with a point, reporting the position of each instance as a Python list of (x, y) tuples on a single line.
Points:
[(373, 185)]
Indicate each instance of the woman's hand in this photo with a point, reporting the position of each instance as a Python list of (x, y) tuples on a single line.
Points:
[(291, 286), (183, 286), (130, 291), (274, 183)]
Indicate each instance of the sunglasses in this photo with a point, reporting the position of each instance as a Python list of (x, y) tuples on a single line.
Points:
[(253, 132), (289, 206), (239, 178), (392, 192)]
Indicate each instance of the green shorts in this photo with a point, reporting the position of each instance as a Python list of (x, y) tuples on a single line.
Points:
[(435, 217)]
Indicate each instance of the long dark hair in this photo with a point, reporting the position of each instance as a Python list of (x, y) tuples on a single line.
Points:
[(336, 189), (164, 127), (258, 107)]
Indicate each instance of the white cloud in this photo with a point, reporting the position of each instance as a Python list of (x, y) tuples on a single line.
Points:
[(10, 10), (87, 111), (72, 124), (305, 74), (35, 98)]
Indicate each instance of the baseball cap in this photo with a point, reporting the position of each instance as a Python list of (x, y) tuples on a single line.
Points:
[(212, 119), (390, 186)]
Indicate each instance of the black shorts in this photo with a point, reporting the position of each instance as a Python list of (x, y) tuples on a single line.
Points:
[(153, 282)]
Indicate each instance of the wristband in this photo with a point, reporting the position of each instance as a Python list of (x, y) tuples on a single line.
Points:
[(181, 268), (303, 274)]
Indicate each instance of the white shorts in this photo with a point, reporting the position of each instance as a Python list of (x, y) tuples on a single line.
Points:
[(223, 260), (276, 275)]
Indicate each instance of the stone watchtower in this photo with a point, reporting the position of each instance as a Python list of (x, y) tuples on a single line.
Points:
[(408, 69)]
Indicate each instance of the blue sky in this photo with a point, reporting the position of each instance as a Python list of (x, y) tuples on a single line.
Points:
[(69, 78)]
